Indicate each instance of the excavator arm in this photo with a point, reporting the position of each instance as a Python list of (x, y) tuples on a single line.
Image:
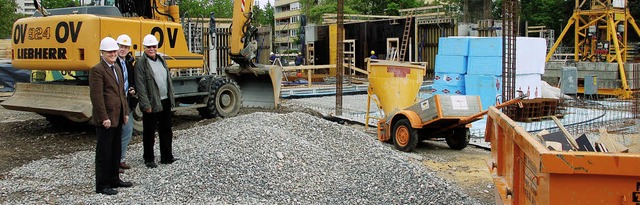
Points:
[(260, 84), (243, 34)]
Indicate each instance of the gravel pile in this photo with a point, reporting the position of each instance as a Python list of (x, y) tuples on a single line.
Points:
[(259, 158)]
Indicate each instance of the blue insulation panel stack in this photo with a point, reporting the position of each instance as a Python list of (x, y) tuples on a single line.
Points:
[(488, 87), (451, 66), (484, 70), (473, 66)]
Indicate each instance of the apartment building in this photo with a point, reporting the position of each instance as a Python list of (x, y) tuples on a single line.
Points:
[(287, 24), (25, 7)]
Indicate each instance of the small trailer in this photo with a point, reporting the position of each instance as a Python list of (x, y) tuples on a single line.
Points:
[(441, 116), (407, 120)]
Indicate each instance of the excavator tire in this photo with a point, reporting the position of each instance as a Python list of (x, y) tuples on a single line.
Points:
[(225, 99), (458, 139), (405, 138)]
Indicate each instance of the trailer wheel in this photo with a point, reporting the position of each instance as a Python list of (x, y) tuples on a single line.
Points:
[(458, 139), (405, 138), (225, 99), (137, 119)]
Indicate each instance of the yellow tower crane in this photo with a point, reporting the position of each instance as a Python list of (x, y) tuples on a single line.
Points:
[(601, 35)]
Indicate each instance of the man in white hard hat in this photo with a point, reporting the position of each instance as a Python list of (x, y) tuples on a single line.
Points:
[(110, 112), (125, 60), (299, 59), (272, 57), (156, 98)]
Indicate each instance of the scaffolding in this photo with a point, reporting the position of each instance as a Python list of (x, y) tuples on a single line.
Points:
[(600, 35)]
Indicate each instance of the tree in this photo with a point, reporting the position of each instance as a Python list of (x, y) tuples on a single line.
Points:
[(202, 8), (52, 4), (7, 17), (263, 17), (193, 9), (269, 13), (634, 8), (326, 7), (382, 7), (222, 8)]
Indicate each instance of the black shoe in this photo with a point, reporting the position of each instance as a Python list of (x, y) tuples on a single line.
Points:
[(168, 161), (107, 191), (151, 164), (121, 183)]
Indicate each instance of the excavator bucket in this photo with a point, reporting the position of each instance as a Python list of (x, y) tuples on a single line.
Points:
[(260, 85), (70, 101)]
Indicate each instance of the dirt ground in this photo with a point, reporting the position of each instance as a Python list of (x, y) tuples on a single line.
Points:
[(25, 137)]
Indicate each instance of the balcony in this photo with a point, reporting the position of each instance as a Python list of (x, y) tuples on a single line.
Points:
[(287, 26), (284, 39), (283, 2), (286, 14)]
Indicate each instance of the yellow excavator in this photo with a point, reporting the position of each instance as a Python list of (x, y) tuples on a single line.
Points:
[(67, 40)]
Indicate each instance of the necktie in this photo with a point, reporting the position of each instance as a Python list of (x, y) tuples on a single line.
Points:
[(125, 76), (114, 72)]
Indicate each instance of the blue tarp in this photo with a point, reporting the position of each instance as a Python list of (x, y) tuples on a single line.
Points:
[(9, 76)]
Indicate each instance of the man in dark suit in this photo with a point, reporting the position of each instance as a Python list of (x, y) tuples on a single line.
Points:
[(109, 113)]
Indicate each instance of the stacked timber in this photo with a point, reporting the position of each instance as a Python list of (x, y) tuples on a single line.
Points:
[(5, 49)]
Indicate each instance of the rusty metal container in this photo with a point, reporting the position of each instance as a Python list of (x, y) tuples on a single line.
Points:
[(526, 172)]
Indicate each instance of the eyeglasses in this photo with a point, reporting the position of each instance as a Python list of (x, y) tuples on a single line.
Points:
[(110, 52), (151, 46)]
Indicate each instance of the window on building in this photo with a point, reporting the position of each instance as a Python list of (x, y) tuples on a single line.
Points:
[(295, 19), (295, 6)]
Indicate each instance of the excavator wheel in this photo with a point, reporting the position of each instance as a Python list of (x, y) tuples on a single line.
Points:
[(225, 99), (405, 138), (458, 139)]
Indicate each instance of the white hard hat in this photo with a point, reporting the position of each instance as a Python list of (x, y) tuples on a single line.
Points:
[(271, 53), (150, 40), (124, 40), (108, 44)]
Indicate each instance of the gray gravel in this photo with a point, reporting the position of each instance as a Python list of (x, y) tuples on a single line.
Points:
[(260, 158)]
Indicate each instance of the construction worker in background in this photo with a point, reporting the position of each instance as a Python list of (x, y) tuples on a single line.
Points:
[(272, 58), (299, 59), (373, 55)]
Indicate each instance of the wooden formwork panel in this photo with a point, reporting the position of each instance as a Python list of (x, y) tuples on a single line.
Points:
[(222, 48), (428, 35), (264, 45)]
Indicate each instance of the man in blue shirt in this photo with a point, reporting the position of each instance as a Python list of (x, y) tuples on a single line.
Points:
[(373, 55), (299, 59)]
